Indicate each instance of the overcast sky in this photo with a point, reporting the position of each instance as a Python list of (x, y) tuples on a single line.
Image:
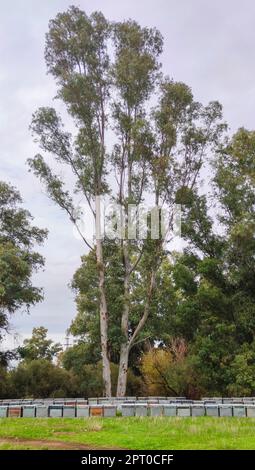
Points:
[(208, 45)]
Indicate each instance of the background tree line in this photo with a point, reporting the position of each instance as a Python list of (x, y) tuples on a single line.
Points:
[(149, 320)]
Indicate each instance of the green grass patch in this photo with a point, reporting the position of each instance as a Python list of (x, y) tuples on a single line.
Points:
[(133, 433)]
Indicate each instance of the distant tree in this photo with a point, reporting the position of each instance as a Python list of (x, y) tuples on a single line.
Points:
[(40, 379), (18, 260), (214, 278), (38, 346)]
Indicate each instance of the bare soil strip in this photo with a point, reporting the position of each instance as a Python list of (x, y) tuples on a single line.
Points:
[(47, 444)]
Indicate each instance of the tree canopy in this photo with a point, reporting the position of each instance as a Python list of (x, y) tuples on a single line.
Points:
[(18, 260)]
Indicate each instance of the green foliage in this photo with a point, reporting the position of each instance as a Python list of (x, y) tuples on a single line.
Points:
[(40, 379), (18, 260), (38, 346)]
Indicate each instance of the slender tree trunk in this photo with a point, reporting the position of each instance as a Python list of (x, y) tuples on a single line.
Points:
[(103, 306), (146, 310), (123, 369), (124, 349), (103, 321)]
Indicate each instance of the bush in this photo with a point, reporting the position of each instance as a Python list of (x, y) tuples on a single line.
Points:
[(40, 379)]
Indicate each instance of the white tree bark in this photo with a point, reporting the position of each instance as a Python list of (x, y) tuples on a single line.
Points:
[(102, 304), (103, 321)]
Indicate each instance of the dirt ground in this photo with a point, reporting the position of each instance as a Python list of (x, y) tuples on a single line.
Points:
[(46, 444)]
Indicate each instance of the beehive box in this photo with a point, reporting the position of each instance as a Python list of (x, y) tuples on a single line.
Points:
[(169, 410), (28, 411), (239, 411), (42, 411), (96, 410), (183, 410), (70, 403), (141, 410), (3, 411), (14, 412), (250, 411), (197, 410), (55, 411), (68, 411), (92, 401), (212, 410), (227, 401), (155, 410), (225, 410), (128, 410), (82, 411), (110, 411)]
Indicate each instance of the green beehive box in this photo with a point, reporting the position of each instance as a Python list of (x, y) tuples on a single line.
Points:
[(225, 411), (212, 410), (239, 411), (28, 411), (3, 411), (169, 410), (155, 410), (82, 411), (68, 411)]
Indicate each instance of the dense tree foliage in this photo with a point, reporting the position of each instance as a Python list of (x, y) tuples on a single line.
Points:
[(18, 260), (38, 346)]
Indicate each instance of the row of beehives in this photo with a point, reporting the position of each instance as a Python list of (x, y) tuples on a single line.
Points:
[(128, 400), (90, 401), (128, 410)]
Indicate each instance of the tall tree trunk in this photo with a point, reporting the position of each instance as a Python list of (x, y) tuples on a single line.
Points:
[(126, 347), (123, 369), (102, 305), (103, 322)]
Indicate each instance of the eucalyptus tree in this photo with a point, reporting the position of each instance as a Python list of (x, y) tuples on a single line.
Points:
[(138, 137)]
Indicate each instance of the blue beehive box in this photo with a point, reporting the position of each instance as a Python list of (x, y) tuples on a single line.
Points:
[(55, 411)]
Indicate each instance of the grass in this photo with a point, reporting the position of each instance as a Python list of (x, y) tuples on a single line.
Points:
[(130, 433)]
